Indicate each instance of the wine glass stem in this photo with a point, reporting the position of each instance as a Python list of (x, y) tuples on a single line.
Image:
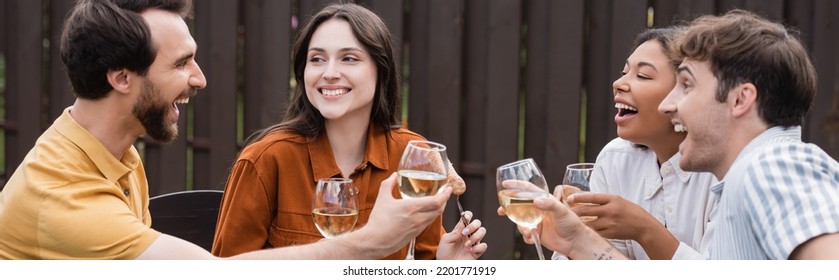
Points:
[(410, 255), (538, 243)]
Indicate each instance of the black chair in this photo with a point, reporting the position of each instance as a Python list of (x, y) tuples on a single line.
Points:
[(189, 215)]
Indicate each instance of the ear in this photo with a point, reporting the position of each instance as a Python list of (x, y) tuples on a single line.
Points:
[(120, 80), (745, 99)]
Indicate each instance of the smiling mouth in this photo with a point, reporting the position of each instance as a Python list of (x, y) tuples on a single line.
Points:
[(333, 92), (680, 128), (624, 109)]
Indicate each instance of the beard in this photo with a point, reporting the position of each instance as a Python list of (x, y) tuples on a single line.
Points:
[(152, 111)]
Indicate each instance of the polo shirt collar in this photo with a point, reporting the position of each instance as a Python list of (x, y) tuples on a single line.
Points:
[(107, 164), (323, 161)]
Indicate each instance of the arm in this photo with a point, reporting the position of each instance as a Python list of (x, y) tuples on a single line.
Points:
[(392, 224), (823, 247), (562, 231), (572, 238), (618, 218), (246, 211)]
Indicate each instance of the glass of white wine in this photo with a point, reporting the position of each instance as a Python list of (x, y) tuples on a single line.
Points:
[(335, 206), (422, 172), (578, 175), (516, 197)]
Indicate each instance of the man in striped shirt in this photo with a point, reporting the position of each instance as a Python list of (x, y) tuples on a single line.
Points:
[(742, 92)]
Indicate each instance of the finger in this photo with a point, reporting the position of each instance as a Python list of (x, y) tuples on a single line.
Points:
[(478, 249), (520, 185), (501, 211), (476, 237), (386, 187), (590, 197)]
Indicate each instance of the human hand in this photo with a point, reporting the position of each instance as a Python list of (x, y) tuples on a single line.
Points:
[(617, 218), (463, 242), (559, 225), (394, 222)]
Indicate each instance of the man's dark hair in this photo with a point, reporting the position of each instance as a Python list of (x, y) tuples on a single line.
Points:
[(103, 35)]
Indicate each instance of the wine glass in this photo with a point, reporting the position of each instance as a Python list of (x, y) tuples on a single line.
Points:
[(578, 175), (517, 197), (335, 206), (422, 172)]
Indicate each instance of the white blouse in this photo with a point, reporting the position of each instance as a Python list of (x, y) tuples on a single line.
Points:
[(676, 198)]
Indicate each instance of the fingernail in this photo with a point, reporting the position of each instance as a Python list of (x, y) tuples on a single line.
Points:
[(465, 231), (469, 249), (468, 242)]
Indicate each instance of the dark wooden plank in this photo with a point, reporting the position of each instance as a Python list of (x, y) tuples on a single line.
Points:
[(435, 80), (60, 92), (267, 62), (824, 114), (799, 15), (771, 9), (503, 96), (554, 84), (25, 116), (306, 8), (727, 5), (492, 88), (666, 12), (214, 113), (393, 14)]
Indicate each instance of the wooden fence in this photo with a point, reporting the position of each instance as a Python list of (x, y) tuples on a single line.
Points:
[(493, 80)]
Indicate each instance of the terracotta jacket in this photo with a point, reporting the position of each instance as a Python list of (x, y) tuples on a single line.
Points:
[(268, 198)]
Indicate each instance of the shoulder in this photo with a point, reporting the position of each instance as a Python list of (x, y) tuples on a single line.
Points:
[(792, 159), (275, 143), (621, 148), (402, 136)]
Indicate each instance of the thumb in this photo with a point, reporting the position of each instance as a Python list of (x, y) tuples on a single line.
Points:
[(552, 204), (386, 188)]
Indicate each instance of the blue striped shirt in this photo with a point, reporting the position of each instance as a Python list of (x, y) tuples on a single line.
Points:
[(779, 193)]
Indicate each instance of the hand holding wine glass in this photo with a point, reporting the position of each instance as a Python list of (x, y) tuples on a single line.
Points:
[(335, 206), (423, 171), (518, 183), (577, 175)]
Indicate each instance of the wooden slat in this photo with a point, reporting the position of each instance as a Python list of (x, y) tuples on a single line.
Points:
[(771, 9), (214, 113), (435, 87), (392, 12), (307, 8), (824, 130), (23, 78), (598, 72), (267, 62), (492, 84), (60, 91), (553, 84)]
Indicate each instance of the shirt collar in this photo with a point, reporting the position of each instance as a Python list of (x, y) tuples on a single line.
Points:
[(323, 161), (110, 167), (775, 134)]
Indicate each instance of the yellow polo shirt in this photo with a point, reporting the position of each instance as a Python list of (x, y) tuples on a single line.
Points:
[(72, 199)]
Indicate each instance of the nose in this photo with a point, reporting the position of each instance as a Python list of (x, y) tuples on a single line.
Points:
[(668, 104), (197, 79), (331, 72), (620, 85)]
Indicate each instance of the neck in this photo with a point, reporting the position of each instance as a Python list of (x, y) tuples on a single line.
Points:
[(739, 137), (666, 146), (348, 140), (108, 122)]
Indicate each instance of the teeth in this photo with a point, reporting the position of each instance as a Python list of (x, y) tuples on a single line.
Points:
[(334, 92), (184, 100), (680, 128), (625, 107)]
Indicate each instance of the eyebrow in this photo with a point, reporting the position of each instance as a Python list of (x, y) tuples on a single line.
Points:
[(683, 68), (315, 49), (644, 63), (184, 57)]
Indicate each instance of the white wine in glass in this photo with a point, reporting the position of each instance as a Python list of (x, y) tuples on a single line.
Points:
[(335, 206), (518, 183), (422, 172)]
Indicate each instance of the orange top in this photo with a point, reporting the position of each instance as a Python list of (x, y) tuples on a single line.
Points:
[(268, 198)]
